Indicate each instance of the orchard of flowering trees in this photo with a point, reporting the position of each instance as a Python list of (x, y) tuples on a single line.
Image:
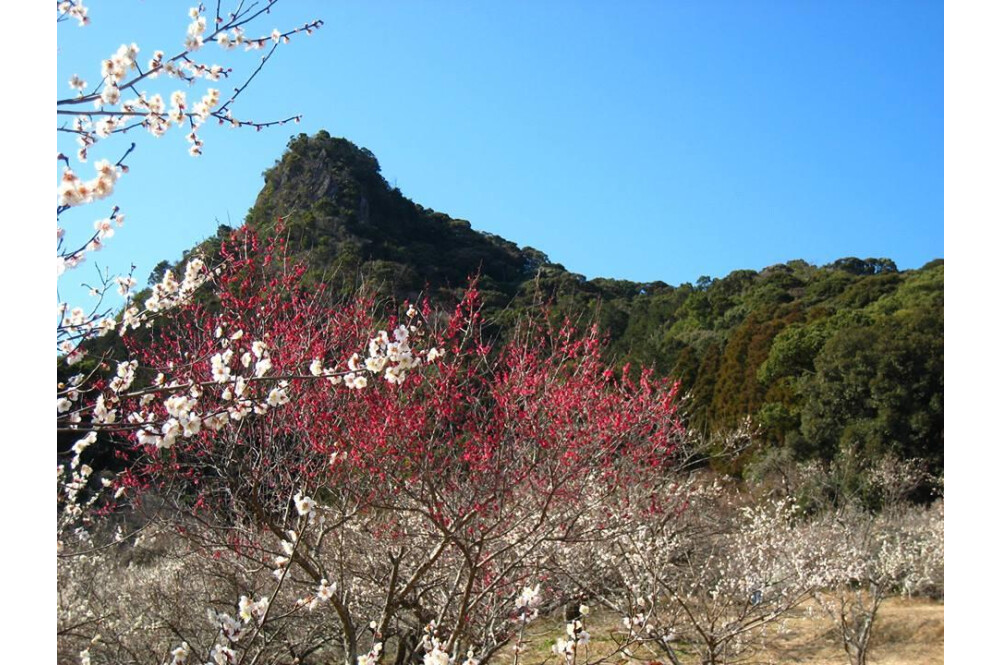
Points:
[(260, 471)]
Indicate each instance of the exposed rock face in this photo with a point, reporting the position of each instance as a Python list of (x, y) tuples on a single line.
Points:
[(340, 210)]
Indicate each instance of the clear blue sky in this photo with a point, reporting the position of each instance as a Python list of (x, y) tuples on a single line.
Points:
[(641, 140)]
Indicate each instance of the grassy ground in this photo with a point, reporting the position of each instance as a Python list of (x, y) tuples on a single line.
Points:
[(907, 632)]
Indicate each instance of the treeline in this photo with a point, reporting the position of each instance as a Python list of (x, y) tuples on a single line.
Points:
[(842, 362)]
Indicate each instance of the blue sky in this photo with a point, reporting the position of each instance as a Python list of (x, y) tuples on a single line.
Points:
[(643, 140)]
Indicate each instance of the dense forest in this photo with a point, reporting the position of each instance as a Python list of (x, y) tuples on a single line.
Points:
[(839, 363)]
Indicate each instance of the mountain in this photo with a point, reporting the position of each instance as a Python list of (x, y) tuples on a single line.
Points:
[(341, 214), (836, 362)]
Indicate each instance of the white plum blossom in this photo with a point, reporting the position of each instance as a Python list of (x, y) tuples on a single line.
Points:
[(180, 655), (376, 364), (105, 326), (436, 656), (262, 367), (372, 657), (249, 609), (325, 590), (576, 632), (395, 375), (110, 95), (124, 376), (171, 430), (74, 9), (278, 395), (102, 414), (84, 443), (104, 228), (304, 504), (196, 30), (563, 647), (529, 597), (223, 655), (169, 293), (221, 373), (106, 127), (131, 318), (77, 83), (74, 192), (355, 382), (125, 285), (230, 627)]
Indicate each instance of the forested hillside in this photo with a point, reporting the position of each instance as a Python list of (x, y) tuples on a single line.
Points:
[(843, 361)]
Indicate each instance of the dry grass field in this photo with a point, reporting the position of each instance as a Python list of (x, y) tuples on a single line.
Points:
[(907, 632)]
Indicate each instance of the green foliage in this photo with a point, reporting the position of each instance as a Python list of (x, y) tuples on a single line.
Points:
[(880, 389)]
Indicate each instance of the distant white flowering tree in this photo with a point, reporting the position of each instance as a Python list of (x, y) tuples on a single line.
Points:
[(695, 563), (869, 556)]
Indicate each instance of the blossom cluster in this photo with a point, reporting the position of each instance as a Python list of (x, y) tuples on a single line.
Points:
[(180, 654), (71, 483), (373, 656), (239, 365), (324, 592), (185, 415), (103, 229), (116, 111), (231, 629), (103, 410), (121, 71), (73, 9), (76, 326), (435, 649), (576, 637), (392, 358), (74, 191), (304, 505), (527, 603), (288, 546)]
